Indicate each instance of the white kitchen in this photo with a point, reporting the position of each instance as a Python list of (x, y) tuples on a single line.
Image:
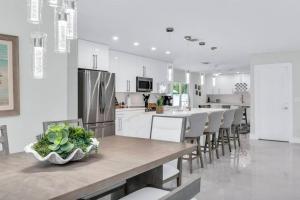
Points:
[(136, 99)]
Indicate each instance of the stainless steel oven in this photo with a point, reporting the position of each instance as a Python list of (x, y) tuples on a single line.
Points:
[(144, 84)]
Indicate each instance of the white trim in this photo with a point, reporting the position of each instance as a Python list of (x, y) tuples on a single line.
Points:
[(296, 140)]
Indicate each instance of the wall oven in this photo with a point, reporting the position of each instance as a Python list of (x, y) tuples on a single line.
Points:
[(144, 84)]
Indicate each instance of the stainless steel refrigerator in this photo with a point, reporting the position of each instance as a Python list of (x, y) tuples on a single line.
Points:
[(96, 106)]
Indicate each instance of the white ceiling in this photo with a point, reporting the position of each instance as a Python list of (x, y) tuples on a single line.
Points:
[(238, 28)]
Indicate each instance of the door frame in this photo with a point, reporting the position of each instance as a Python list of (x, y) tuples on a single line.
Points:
[(290, 127)]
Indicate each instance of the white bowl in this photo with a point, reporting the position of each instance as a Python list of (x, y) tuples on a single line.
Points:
[(54, 158)]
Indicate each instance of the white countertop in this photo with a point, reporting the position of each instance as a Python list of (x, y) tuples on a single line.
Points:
[(193, 111), (224, 103)]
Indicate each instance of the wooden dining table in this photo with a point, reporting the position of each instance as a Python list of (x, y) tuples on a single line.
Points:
[(119, 159)]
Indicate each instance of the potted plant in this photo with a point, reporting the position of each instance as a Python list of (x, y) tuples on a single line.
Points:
[(62, 143), (159, 105)]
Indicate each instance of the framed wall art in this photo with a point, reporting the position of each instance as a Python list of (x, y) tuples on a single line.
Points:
[(9, 76)]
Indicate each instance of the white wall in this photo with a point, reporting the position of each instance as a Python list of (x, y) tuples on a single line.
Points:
[(41, 100), (285, 57)]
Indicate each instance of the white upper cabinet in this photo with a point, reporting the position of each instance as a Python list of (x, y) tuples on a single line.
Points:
[(127, 67), (226, 84), (93, 56)]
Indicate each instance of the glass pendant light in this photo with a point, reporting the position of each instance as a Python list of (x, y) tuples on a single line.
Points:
[(71, 10), (187, 77), (202, 79), (34, 11), (170, 73), (38, 54), (53, 3), (60, 29)]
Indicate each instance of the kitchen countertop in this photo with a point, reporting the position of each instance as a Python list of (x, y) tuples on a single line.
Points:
[(224, 103)]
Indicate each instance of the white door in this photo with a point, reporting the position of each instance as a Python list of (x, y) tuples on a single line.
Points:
[(273, 101)]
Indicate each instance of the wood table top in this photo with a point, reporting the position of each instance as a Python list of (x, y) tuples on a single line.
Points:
[(119, 158)]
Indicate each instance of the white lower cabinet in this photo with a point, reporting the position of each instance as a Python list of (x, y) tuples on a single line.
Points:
[(133, 123)]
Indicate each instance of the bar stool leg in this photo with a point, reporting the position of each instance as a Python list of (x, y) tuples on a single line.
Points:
[(222, 141), (228, 138), (191, 162), (199, 152), (234, 137), (209, 147), (238, 136), (216, 145)]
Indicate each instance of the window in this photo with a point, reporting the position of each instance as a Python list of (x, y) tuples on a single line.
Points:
[(180, 94)]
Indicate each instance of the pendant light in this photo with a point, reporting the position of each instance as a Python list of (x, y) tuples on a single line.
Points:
[(34, 8), (38, 54), (170, 30), (53, 3), (201, 79), (71, 10), (187, 77), (60, 30)]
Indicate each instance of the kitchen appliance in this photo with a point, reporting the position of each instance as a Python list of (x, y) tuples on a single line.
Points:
[(144, 84), (96, 101), (146, 99), (167, 100)]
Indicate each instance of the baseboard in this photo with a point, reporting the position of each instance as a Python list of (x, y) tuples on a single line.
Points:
[(295, 140), (253, 137)]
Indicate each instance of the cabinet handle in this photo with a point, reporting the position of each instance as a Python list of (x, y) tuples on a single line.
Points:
[(96, 61)]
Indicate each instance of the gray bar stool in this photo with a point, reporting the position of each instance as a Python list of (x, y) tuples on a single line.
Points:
[(225, 129), (211, 131), (197, 126), (4, 140), (236, 124)]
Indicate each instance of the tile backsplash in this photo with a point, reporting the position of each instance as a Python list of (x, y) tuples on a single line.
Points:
[(136, 99)]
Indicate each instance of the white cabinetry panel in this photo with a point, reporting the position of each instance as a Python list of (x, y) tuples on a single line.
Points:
[(93, 56)]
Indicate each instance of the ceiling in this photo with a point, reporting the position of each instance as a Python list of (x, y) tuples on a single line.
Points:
[(238, 28)]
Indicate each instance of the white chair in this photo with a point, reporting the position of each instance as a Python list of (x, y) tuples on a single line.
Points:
[(225, 129), (4, 140), (197, 126), (168, 128), (185, 192), (236, 124), (211, 131)]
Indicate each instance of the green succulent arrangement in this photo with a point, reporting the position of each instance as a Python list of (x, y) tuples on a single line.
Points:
[(160, 101), (63, 139)]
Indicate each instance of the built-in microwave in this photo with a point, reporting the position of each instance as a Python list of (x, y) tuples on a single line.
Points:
[(144, 84)]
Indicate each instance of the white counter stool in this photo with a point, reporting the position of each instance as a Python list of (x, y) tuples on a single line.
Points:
[(236, 124), (169, 128), (225, 129), (4, 140), (185, 192), (194, 133), (211, 131)]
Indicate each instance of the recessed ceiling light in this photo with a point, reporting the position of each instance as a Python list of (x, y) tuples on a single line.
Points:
[(136, 44), (201, 43), (205, 63), (153, 48), (115, 38), (116, 57), (168, 52), (170, 29), (213, 48), (237, 72)]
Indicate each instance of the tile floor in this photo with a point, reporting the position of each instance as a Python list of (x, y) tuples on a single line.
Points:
[(259, 170)]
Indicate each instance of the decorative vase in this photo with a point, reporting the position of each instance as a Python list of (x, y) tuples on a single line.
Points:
[(54, 158), (159, 110)]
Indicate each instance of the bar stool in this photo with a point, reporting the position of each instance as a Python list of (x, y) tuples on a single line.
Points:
[(211, 131), (225, 129), (236, 124), (197, 126), (4, 140), (169, 128)]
